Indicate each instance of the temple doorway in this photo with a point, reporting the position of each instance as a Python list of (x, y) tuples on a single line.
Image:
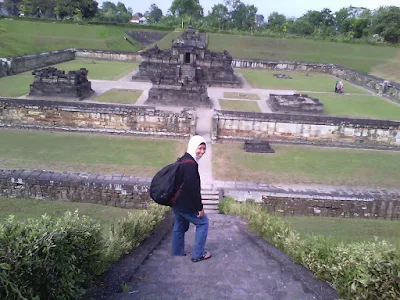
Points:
[(187, 58)]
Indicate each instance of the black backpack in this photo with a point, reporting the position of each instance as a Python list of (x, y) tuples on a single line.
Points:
[(162, 187)]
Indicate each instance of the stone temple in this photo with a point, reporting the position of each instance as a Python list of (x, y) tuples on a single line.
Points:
[(180, 76)]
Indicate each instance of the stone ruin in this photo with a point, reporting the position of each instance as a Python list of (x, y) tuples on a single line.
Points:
[(257, 146), (295, 104), (56, 83), (180, 75), (282, 76)]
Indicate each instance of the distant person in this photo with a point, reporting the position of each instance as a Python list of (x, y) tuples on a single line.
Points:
[(188, 207), (336, 86), (340, 87)]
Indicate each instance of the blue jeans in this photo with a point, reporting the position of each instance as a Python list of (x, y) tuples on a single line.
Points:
[(181, 225)]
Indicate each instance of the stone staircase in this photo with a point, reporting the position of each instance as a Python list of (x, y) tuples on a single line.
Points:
[(210, 200), (188, 72)]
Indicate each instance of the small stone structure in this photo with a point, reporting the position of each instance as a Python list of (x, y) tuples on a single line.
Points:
[(282, 76), (296, 103), (55, 83), (257, 146)]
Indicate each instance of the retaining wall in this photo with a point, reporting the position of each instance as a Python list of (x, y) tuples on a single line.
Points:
[(308, 129), (114, 190), (133, 192), (107, 55), (95, 117), (386, 88)]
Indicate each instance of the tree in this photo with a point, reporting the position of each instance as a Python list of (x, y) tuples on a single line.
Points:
[(386, 22), (191, 8), (13, 6), (340, 17), (154, 14), (218, 17), (68, 8), (243, 16), (115, 13)]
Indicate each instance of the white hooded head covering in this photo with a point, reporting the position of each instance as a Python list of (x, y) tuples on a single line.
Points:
[(194, 142)]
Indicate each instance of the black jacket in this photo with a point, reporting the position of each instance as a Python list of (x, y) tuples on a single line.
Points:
[(187, 184)]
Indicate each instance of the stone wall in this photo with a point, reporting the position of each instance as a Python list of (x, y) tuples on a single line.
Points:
[(307, 129), (95, 117), (114, 190), (331, 207), (391, 90), (19, 64), (107, 55)]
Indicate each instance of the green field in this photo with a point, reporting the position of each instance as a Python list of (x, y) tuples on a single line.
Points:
[(89, 153), (238, 105), (24, 37), (264, 79), (18, 85), (23, 209), (100, 69), (347, 230), (381, 61), (119, 96), (245, 96), (358, 106), (307, 165)]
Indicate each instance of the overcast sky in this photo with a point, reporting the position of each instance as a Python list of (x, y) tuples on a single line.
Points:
[(290, 8)]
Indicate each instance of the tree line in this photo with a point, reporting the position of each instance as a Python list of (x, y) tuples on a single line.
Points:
[(346, 24)]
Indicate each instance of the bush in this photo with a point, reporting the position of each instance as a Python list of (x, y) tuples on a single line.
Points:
[(46, 258), (368, 270), (56, 258)]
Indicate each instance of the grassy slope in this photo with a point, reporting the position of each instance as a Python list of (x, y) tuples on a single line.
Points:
[(364, 58), (307, 165), (24, 37), (28, 208), (86, 153)]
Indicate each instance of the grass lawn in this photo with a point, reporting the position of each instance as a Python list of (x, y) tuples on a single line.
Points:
[(18, 85), (347, 230), (307, 165), (362, 57), (348, 105), (245, 96), (99, 154), (25, 37), (102, 70), (119, 96), (264, 79), (15, 86), (30, 208), (238, 105)]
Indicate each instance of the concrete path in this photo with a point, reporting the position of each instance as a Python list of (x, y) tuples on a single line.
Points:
[(243, 266)]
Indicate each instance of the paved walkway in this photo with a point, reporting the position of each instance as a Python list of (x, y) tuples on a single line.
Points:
[(243, 266)]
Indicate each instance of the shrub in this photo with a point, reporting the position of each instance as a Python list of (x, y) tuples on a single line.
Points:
[(46, 258), (368, 270), (52, 258)]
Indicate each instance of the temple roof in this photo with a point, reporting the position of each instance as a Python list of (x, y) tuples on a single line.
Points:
[(191, 38)]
